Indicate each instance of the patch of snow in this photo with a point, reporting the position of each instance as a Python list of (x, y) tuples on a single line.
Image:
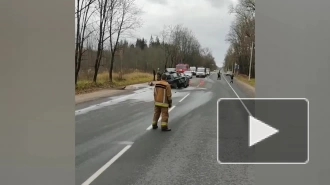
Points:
[(140, 95)]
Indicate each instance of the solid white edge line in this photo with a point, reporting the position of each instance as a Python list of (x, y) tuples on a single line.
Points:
[(184, 97), (240, 99), (104, 167), (160, 117)]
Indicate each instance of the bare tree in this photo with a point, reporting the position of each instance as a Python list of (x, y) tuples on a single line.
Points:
[(124, 18), (83, 15), (241, 36), (165, 34), (181, 46), (103, 8), (177, 44)]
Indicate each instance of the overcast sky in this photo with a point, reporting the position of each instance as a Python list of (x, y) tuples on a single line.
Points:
[(208, 19)]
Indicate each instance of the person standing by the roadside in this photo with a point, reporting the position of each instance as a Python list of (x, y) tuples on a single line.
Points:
[(154, 74), (158, 74), (232, 78)]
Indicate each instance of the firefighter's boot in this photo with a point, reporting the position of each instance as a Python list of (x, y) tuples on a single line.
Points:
[(154, 125), (165, 127)]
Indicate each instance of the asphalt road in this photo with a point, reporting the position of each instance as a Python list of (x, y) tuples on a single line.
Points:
[(115, 145)]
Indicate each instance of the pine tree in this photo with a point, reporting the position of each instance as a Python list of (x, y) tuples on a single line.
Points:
[(151, 42), (157, 43)]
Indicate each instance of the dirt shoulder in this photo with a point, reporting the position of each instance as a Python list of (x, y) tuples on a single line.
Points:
[(81, 98), (247, 88), (85, 85)]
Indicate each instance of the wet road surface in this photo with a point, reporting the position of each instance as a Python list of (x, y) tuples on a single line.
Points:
[(115, 145)]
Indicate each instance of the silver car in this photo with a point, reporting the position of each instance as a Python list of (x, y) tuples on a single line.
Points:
[(188, 74)]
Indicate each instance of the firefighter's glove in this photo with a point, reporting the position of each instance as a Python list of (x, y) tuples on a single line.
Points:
[(169, 103)]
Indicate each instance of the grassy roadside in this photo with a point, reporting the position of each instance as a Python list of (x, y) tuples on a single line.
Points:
[(86, 86), (245, 79)]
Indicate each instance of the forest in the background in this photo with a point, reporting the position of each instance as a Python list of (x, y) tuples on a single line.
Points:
[(101, 46), (242, 39)]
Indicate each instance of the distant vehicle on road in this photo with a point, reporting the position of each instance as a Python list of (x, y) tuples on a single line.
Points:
[(229, 73), (189, 74), (181, 68), (170, 69), (201, 72), (208, 71), (193, 70), (175, 80)]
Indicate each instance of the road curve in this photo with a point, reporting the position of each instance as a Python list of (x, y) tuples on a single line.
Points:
[(115, 145)]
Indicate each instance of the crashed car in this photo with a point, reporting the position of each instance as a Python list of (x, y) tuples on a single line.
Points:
[(186, 79), (175, 80)]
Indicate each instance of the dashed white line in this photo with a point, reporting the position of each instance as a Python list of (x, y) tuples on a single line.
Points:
[(160, 117), (125, 142), (237, 96), (184, 97), (104, 167), (171, 109)]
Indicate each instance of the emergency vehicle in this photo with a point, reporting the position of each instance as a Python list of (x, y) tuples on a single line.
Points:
[(181, 68)]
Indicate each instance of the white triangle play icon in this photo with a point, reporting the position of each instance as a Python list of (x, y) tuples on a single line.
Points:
[(259, 131)]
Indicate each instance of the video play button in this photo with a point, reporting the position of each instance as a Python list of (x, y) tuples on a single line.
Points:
[(259, 131), (263, 131)]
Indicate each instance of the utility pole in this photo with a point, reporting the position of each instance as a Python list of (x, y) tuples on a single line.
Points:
[(251, 61), (233, 68)]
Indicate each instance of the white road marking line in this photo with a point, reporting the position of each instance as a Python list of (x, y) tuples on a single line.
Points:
[(171, 109), (237, 96), (125, 142), (160, 117), (184, 97), (104, 167)]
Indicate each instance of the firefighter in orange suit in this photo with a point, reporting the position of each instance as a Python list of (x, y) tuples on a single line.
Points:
[(163, 101)]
